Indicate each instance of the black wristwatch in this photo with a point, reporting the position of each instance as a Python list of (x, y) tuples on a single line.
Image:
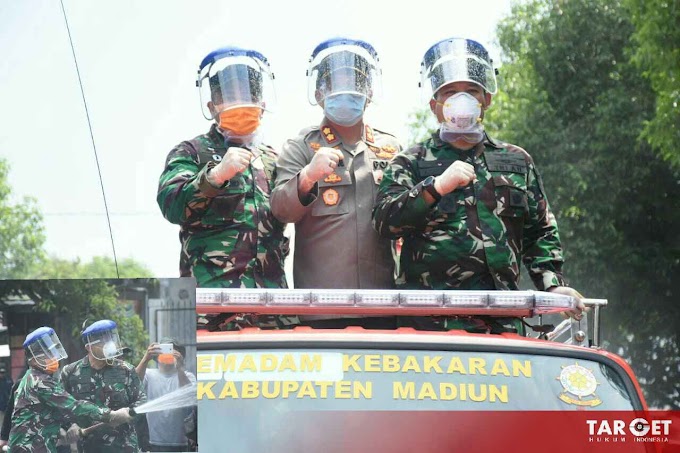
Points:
[(428, 186)]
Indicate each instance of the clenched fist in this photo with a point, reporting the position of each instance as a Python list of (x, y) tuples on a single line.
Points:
[(235, 161), (459, 174), (120, 416), (324, 162), (73, 434)]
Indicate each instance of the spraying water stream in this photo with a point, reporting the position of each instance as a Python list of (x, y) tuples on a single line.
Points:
[(183, 397)]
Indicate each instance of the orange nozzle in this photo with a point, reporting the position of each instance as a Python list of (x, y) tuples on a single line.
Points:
[(167, 359)]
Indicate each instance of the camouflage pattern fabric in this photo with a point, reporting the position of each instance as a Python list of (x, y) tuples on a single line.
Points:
[(115, 386), (41, 407), (475, 236), (229, 236)]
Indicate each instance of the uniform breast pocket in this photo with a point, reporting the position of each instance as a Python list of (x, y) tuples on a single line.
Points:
[(84, 388), (117, 400), (225, 209), (427, 168), (511, 198), (230, 206), (332, 201)]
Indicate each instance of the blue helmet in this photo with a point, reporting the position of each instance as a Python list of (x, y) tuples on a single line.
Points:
[(43, 345), (105, 325), (37, 334), (103, 340), (236, 77)]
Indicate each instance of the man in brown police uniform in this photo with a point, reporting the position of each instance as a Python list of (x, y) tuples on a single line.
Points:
[(328, 176)]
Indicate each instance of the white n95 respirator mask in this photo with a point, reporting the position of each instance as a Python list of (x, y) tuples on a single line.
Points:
[(462, 119)]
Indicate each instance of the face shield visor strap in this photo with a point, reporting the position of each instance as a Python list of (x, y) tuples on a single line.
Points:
[(235, 82), (104, 345), (342, 71)]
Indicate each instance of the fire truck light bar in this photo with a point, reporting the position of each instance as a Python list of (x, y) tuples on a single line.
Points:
[(394, 302)]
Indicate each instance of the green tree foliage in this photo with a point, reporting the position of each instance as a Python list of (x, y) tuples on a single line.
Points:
[(74, 301), (98, 267), (571, 96), (21, 232), (657, 54), (421, 124)]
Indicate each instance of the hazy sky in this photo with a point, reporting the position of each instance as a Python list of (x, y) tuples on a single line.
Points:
[(138, 61)]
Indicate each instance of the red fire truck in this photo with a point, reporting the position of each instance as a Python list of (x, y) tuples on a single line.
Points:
[(410, 371)]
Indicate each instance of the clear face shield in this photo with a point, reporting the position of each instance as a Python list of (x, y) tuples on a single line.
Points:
[(235, 81), (104, 345), (456, 60), (47, 351), (343, 69)]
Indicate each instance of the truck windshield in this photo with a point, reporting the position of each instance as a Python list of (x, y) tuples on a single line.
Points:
[(256, 397)]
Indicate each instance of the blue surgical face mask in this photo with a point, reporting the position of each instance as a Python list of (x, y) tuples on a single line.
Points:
[(344, 109)]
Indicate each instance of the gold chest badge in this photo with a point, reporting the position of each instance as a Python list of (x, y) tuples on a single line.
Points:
[(332, 178), (331, 197)]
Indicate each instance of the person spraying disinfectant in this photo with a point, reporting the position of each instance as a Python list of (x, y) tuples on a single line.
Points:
[(102, 378), (42, 404)]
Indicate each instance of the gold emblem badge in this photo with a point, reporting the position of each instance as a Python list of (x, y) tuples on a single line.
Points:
[(579, 386), (386, 152), (315, 146), (331, 197), (332, 178)]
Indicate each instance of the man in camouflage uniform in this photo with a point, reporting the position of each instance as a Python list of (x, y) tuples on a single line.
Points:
[(106, 381), (328, 176), (217, 186), (468, 207), (42, 404)]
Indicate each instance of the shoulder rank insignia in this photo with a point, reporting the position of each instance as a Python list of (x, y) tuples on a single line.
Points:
[(332, 178), (328, 134), (331, 197), (369, 134), (386, 152)]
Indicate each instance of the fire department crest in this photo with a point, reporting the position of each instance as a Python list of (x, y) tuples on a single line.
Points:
[(579, 386)]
